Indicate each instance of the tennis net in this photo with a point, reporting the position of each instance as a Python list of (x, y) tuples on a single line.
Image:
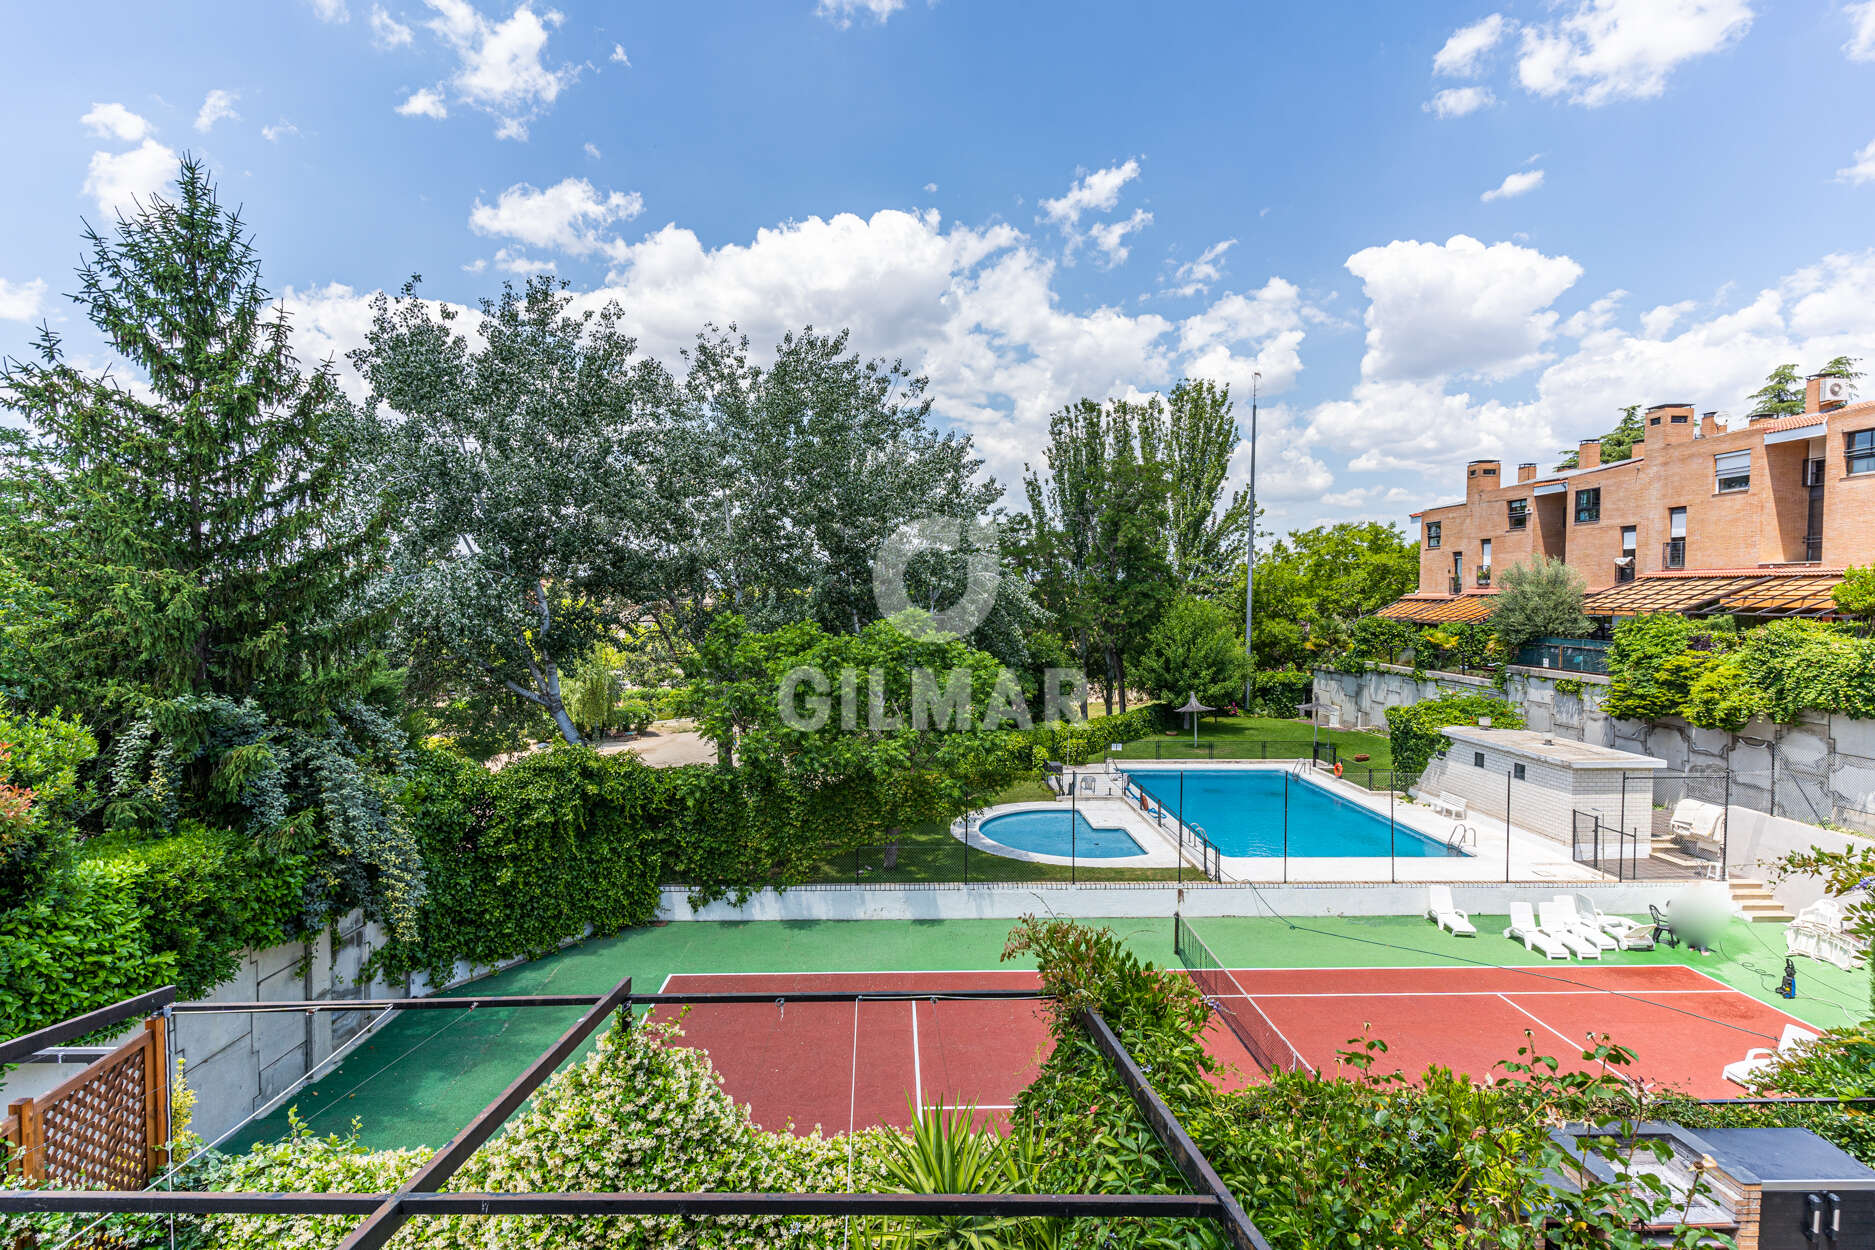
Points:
[(1225, 994)]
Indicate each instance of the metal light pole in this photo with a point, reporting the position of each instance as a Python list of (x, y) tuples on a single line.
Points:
[(1250, 552)]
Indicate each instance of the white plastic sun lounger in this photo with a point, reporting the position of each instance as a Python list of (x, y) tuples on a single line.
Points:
[(1628, 935), (1760, 1058), (1441, 909), (1523, 928), (1582, 924), (1553, 920)]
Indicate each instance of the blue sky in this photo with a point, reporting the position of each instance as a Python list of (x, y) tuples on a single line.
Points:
[(1439, 231)]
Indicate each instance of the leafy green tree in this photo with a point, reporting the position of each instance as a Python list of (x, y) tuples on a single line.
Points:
[(1097, 555), (1618, 443), (1781, 395), (1193, 436), (1535, 599), (869, 731), (1855, 594), (1195, 649), (1313, 585), (521, 449), (206, 530), (787, 477)]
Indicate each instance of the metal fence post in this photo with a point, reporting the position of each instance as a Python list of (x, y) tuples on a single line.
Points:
[(1507, 781), (966, 848), (1393, 849), (1074, 832), (1179, 833), (1725, 824), (1285, 826), (1772, 744)]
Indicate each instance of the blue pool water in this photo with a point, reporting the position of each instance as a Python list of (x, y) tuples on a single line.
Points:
[(1242, 811), (1058, 833)]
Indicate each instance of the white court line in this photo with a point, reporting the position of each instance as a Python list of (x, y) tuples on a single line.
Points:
[(1544, 1024), (1577, 993), (917, 1071)]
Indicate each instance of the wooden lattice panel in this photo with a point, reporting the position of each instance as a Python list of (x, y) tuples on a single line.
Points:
[(96, 1132)]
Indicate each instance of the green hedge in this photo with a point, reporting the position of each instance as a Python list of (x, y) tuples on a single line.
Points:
[(521, 860), (1279, 692), (1413, 731), (205, 895), (75, 948)]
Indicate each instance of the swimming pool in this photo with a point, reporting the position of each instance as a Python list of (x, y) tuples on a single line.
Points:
[(1242, 811), (1061, 833)]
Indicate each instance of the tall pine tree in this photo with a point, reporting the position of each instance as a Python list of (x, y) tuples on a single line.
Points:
[(205, 538), (199, 523)]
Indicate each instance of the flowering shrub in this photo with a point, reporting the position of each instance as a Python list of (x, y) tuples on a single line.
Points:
[(641, 1112)]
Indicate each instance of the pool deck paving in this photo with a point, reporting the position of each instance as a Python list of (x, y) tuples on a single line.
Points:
[(424, 1074)]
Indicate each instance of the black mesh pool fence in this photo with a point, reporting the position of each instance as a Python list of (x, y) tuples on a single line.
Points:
[(1268, 1048)]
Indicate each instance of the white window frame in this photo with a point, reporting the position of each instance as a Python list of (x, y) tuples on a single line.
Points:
[(1733, 467)]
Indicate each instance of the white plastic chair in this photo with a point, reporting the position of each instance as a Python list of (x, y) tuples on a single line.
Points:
[(1628, 934), (1524, 928), (1441, 909), (1553, 919), (1760, 1058)]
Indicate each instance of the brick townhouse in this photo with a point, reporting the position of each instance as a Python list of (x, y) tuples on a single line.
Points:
[(1759, 519)]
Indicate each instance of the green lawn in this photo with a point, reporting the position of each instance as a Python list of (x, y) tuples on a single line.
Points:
[(1260, 737)]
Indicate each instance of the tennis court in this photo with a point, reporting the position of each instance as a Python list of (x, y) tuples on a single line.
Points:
[(1682, 1025), (916, 1039)]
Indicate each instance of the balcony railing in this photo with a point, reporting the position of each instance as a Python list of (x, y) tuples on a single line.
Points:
[(1484, 575), (1812, 548), (1673, 554), (1458, 586)]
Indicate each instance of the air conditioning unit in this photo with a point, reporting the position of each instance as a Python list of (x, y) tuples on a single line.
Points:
[(1832, 390)]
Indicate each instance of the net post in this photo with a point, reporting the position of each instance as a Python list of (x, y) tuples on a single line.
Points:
[(1507, 777)]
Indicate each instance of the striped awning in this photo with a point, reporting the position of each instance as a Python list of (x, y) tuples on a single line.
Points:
[(1439, 609)]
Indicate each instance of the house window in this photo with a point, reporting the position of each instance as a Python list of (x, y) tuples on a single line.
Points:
[(1732, 469), (1589, 505), (1624, 567), (1484, 556), (1432, 533), (1676, 522), (1477, 759), (1859, 451), (1520, 511), (1673, 552), (1517, 771), (1681, 419)]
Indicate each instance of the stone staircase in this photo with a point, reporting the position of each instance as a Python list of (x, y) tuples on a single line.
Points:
[(1755, 900)]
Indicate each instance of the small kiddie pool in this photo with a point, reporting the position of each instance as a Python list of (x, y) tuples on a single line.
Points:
[(1062, 833)]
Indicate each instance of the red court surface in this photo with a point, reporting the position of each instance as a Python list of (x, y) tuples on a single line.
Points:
[(842, 1065), (1683, 1026)]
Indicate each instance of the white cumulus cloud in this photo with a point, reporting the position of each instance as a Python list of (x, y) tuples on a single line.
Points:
[(1519, 183), (567, 216), (330, 10), (1098, 191), (217, 105), (117, 180), (424, 102), (1459, 102), (114, 121), (387, 31), (20, 301), (1458, 307), (1464, 52), (1864, 168), (1110, 237), (618, 56), (1603, 50), (1861, 45), (278, 131), (1195, 277), (501, 67), (842, 12)]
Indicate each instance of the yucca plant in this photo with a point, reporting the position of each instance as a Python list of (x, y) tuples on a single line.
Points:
[(946, 1153)]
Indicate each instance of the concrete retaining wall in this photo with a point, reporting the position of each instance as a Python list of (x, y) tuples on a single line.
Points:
[(1008, 901), (1819, 770), (1754, 840)]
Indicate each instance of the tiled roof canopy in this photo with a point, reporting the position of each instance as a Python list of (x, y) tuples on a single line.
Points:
[(1439, 609), (1750, 592)]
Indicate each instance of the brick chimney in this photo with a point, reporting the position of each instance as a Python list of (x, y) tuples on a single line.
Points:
[(1589, 453), (1526, 473), (1668, 423), (1709, 425), (1482, 475), (1813, 394)]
